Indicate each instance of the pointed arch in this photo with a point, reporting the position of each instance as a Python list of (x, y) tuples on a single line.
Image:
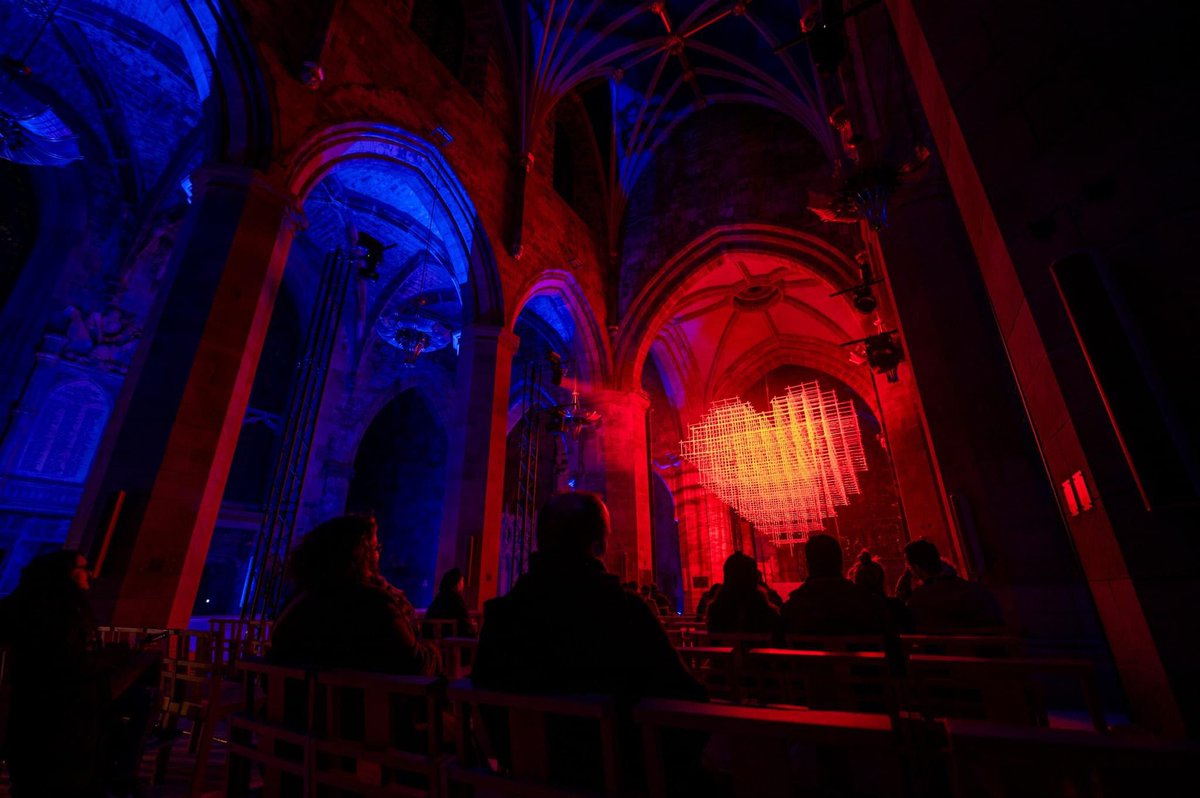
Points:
[(652, 308), (594, 351), (483, 299)]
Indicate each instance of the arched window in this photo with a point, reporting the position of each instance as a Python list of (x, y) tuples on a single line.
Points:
[(66, 432), (442, 25)]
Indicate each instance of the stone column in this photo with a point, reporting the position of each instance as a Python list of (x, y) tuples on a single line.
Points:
[(475, 466), (172, 436), (1137, 588), (622, 477)]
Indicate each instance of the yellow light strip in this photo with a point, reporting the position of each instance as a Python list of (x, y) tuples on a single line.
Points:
[(785, 470)]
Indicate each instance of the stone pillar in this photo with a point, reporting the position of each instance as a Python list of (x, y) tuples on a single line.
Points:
[(1137, 588), (918, 481), (623, 479), (475, 466), (172, 436)]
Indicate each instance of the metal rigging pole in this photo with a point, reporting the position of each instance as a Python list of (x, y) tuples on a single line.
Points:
[(265, 585)]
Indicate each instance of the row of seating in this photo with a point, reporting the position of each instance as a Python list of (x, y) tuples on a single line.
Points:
[(1011, 690), (377, 735)]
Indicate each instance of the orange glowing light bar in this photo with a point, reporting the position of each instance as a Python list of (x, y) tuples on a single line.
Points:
[(785, 470)]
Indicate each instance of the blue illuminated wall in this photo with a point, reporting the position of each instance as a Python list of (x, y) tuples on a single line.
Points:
[(399, 476)]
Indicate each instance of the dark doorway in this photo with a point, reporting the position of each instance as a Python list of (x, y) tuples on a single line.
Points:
[(400, 476)]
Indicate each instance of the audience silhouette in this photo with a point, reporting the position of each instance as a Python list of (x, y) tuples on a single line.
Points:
[(346, 615), (742, 606), (707, 599), (829, 604), (568, 626), (944, 600), (449, 605), (79, 712)]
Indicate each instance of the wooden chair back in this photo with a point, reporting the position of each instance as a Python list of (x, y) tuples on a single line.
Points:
[(272, 731), (1010, 690), (854, 681), (458, 654), (687, 632), (776, 753), (740, 641), (192, 689), (377, 734), (437, 628), (234, 639), (485, 765)]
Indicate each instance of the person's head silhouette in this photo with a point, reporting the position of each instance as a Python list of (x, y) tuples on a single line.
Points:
[(573, 524), (824, 556)]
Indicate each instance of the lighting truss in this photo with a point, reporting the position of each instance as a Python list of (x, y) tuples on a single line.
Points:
[(785, 470)]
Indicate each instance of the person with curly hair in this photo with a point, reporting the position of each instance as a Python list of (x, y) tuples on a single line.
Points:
[(346, 615)]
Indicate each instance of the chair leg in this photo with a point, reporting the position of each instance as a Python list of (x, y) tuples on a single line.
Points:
[(204, 731), (162, 760)]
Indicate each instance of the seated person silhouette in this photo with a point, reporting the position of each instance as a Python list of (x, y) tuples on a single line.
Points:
[(79, 712), (345, 614), (829, 604), (869, 575), (945, 601), (706, 600), (449, 605), (568, 626), (742, 606)]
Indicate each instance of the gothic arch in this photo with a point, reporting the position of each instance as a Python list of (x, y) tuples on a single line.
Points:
[(483, 299), (592, 339), (652, 308)]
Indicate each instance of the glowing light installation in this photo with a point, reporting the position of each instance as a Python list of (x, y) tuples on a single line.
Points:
[(785, 470)]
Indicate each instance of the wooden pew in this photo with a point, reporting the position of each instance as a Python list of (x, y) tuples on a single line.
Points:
[(717, 668), (378, 734), (272, 730), (1009, 690), (994, 760), (853, 681), (135, 637), (775, 753), (834, 642), (484, 766)]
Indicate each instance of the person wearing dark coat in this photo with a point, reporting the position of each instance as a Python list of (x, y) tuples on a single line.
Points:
[(706, 600), (945, 601), (868, 574), (449, 605), (741, 607), (567, 627), (78, 712), (829, 604), (345, 615)]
